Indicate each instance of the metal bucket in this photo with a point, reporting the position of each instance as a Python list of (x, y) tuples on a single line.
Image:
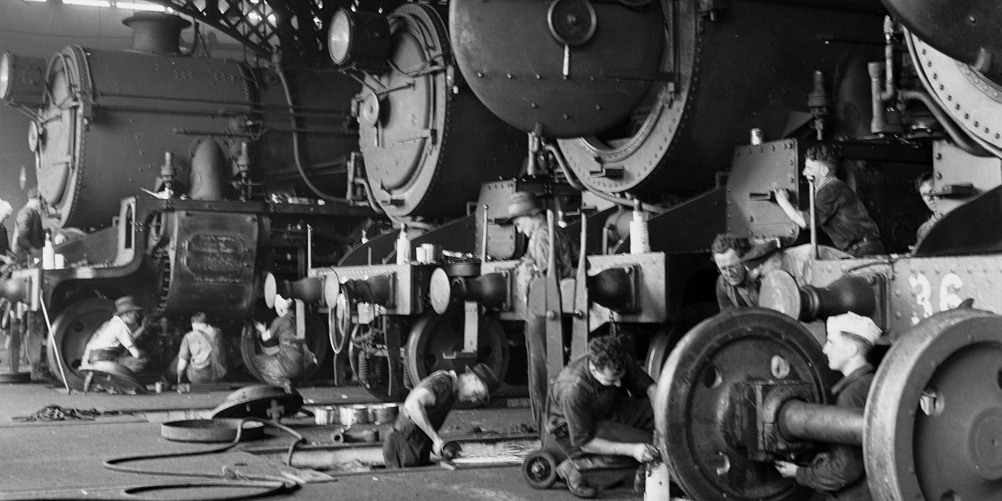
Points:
[(383, 413), (354, 414)]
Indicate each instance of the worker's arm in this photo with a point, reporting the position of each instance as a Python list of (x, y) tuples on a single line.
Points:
[(416, 405), (639, 451), (783, 199), (182, 364)]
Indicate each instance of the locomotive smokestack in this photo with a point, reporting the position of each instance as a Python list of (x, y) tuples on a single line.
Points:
[(156, 33)]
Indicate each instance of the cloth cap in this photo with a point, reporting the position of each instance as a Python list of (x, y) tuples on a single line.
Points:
[(852, 323), (286, 303), (523, 203), (487, 375), (125, 304)]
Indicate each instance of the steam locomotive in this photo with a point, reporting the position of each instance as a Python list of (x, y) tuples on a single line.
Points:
[(646, 105), (191, 193), (633, 114)]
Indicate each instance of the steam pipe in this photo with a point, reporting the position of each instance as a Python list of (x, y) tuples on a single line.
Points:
[(890, 73), (948, 124)]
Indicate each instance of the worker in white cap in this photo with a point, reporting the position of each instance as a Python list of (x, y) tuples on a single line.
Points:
[(839, 472), (284, 358)]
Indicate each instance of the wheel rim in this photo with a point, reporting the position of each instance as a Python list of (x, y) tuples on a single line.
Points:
[(663, 342), (693, 400), (943, 383), (539, 469), (435, 335), (71, 331)]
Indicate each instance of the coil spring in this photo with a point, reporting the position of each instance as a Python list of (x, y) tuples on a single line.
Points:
[(381, 369), (408, 383), (363, 368)]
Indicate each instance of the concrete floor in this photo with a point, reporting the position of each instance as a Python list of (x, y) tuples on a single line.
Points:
[(63, 459)]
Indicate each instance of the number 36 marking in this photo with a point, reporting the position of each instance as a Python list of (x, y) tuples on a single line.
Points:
[(948, 297)]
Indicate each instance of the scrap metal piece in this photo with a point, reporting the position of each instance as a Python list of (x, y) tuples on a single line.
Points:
[(210, 430), (262, 401)]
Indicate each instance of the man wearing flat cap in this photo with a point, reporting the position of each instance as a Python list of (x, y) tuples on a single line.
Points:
[(414, 435), (114, 341), (839, 472), (526, 211)]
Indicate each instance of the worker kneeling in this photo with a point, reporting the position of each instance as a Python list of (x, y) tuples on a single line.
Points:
[(599, 415), (414, 435)]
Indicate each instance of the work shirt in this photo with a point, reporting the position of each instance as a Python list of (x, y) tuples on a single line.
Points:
[(442, 385), (204, 352), (285, 357), (539, 251), (111, 336), (841, 214), (407, 445), (577, 400), (926, 226), (28, 232), (730, 296), (839, 472)]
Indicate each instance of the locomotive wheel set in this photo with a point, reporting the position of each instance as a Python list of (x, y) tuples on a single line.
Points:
[(624, 105)]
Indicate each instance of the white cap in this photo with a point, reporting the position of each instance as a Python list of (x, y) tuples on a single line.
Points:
[(852, 323), (285, 303)]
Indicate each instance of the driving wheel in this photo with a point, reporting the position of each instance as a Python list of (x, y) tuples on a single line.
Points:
[(695, 404), (436, 343), (934, 414), (71, 331)]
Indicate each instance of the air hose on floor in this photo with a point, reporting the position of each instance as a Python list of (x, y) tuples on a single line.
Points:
[(265, 485)]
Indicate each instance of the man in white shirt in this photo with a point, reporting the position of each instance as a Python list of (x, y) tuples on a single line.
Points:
[(115, 340)]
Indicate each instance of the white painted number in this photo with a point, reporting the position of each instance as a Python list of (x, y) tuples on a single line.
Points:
[(920, 284), (948, 298), (948, 294)]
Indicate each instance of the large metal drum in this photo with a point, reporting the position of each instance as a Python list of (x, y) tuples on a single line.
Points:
[(108, 118), (428, 142)]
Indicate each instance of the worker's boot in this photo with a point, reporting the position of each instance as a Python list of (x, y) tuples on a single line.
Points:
[(575, 482)]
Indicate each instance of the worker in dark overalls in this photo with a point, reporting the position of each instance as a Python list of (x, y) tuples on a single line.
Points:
[(525, 210), (600, 416), (414, 435)]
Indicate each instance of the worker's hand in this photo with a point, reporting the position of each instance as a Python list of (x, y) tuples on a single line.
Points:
[(436, 446), (644, 453), (781, 194), (786, 469)]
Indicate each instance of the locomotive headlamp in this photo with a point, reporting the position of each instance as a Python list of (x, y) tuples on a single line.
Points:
[(21, 79), (5, 63), (359, 39)]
